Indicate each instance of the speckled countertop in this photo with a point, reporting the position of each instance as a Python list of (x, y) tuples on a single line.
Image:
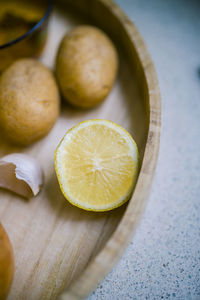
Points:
[(163, 259)]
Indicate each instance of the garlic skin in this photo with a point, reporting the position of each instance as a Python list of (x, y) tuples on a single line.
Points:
[(21, 174)]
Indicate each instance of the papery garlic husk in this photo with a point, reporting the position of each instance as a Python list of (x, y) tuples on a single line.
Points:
[(21, 173)]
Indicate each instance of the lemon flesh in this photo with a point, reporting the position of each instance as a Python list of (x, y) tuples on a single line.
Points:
[(97, 165)]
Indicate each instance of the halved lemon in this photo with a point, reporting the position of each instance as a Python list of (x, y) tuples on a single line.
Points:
[(97, 165)]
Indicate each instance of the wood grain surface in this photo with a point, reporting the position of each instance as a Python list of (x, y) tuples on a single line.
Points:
[(58, 247)]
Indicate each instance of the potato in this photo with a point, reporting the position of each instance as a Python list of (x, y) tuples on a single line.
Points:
[(86, 66), (29, 101), (6, 264)]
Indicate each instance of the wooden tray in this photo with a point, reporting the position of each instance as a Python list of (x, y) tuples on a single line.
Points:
[(59, 247)]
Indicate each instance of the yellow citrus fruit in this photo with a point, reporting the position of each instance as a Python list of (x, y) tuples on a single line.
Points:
[(97, 165)]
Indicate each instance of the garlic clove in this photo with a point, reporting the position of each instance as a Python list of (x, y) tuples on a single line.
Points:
[(21, 174)]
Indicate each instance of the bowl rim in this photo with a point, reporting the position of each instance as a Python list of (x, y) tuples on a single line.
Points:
[(35, 27), (101, 264)]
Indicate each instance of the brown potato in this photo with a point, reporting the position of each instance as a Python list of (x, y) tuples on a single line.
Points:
[(29, 101), (6, 264), (86, 66)]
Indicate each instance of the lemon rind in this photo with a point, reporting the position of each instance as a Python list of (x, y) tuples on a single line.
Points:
[(132, 146)]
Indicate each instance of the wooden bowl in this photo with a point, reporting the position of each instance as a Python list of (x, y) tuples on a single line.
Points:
[(60, 248)]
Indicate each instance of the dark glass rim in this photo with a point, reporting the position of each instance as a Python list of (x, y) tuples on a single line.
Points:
[(35, 27)]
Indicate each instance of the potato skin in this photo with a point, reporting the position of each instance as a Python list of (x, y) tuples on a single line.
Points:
[(29, 101), (86, 66), (6, 264)]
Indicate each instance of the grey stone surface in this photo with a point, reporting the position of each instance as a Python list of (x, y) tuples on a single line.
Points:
[(163, 259)]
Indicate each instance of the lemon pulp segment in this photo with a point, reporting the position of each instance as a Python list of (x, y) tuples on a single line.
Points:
[(97, 165)]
